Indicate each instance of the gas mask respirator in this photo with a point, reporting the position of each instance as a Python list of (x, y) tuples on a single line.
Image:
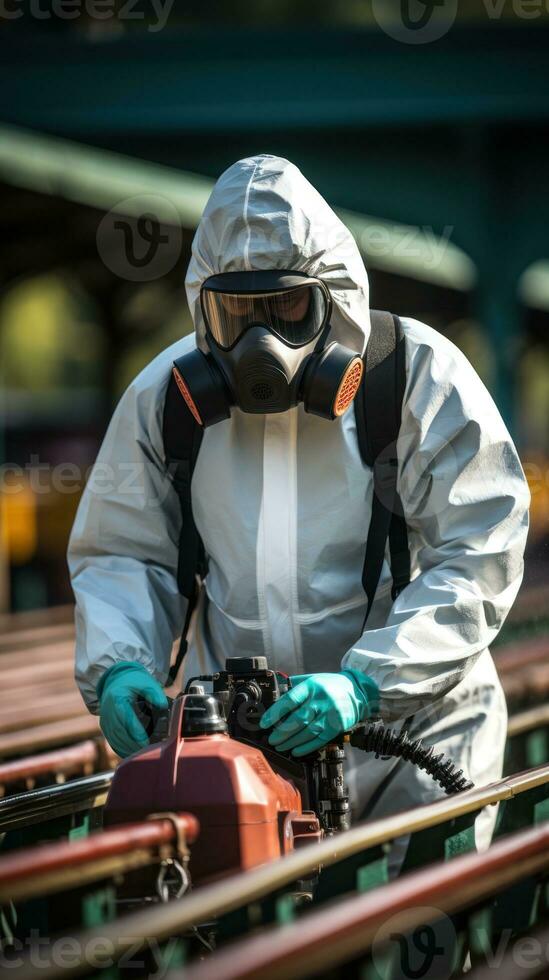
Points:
[(266, 333)]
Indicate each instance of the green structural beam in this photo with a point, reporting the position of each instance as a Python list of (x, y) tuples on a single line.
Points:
[(166, 81), (411, 251), (111, 181), (104, 180)]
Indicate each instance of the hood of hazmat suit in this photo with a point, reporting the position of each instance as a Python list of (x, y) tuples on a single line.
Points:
[(283, 503)]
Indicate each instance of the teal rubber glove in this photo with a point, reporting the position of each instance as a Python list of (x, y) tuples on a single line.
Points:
[(117, 690), (318, 708)]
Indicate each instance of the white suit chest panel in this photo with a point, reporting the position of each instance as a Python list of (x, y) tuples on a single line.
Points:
[(283, 505)]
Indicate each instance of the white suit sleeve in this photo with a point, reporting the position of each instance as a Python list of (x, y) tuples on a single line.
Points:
[(466, 502), (123, 548)]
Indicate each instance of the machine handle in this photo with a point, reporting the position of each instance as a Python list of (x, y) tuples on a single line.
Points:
[(155, 721)]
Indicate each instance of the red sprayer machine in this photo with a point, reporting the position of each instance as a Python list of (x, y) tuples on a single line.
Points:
[(210, 758), (252, 804)]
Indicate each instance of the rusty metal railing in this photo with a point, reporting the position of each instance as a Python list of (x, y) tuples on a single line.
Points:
[(50, 802), (80, 758), (344, 930), (49, 868), (239, 890)]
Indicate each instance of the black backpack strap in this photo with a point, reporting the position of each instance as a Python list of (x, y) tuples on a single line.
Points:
[(182, 439), (378, 410)]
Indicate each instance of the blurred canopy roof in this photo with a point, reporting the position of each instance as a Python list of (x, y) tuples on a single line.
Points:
[(448, 137), (111, 181), (430, 134)]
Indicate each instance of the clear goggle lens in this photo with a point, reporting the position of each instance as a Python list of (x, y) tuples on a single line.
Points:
[(295, 315)]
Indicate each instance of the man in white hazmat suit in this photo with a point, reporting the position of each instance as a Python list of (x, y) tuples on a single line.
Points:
[(282, 501)]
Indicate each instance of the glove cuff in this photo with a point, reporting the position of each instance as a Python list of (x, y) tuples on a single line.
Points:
[(116, 669), (366, 691)]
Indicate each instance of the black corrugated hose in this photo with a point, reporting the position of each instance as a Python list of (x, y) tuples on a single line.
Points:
[(386, 743)]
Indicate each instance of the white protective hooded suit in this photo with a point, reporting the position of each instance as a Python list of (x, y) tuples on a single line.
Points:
[(283, 504)]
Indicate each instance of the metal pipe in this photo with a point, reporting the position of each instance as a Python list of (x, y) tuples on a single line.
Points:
[(28, 639), (528, 721), (66, 704), (517, 656), (57, 685), (531, 684), (55, 867), (213, 900), (32, 674), (334, 935), (53, 652), (37, 805), (55, 733), (62, 762), (36, 618)]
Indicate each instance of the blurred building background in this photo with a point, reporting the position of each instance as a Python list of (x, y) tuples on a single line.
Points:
[(424, 124)]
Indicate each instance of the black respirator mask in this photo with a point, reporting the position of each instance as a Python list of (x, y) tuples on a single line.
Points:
[(266, 333)]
